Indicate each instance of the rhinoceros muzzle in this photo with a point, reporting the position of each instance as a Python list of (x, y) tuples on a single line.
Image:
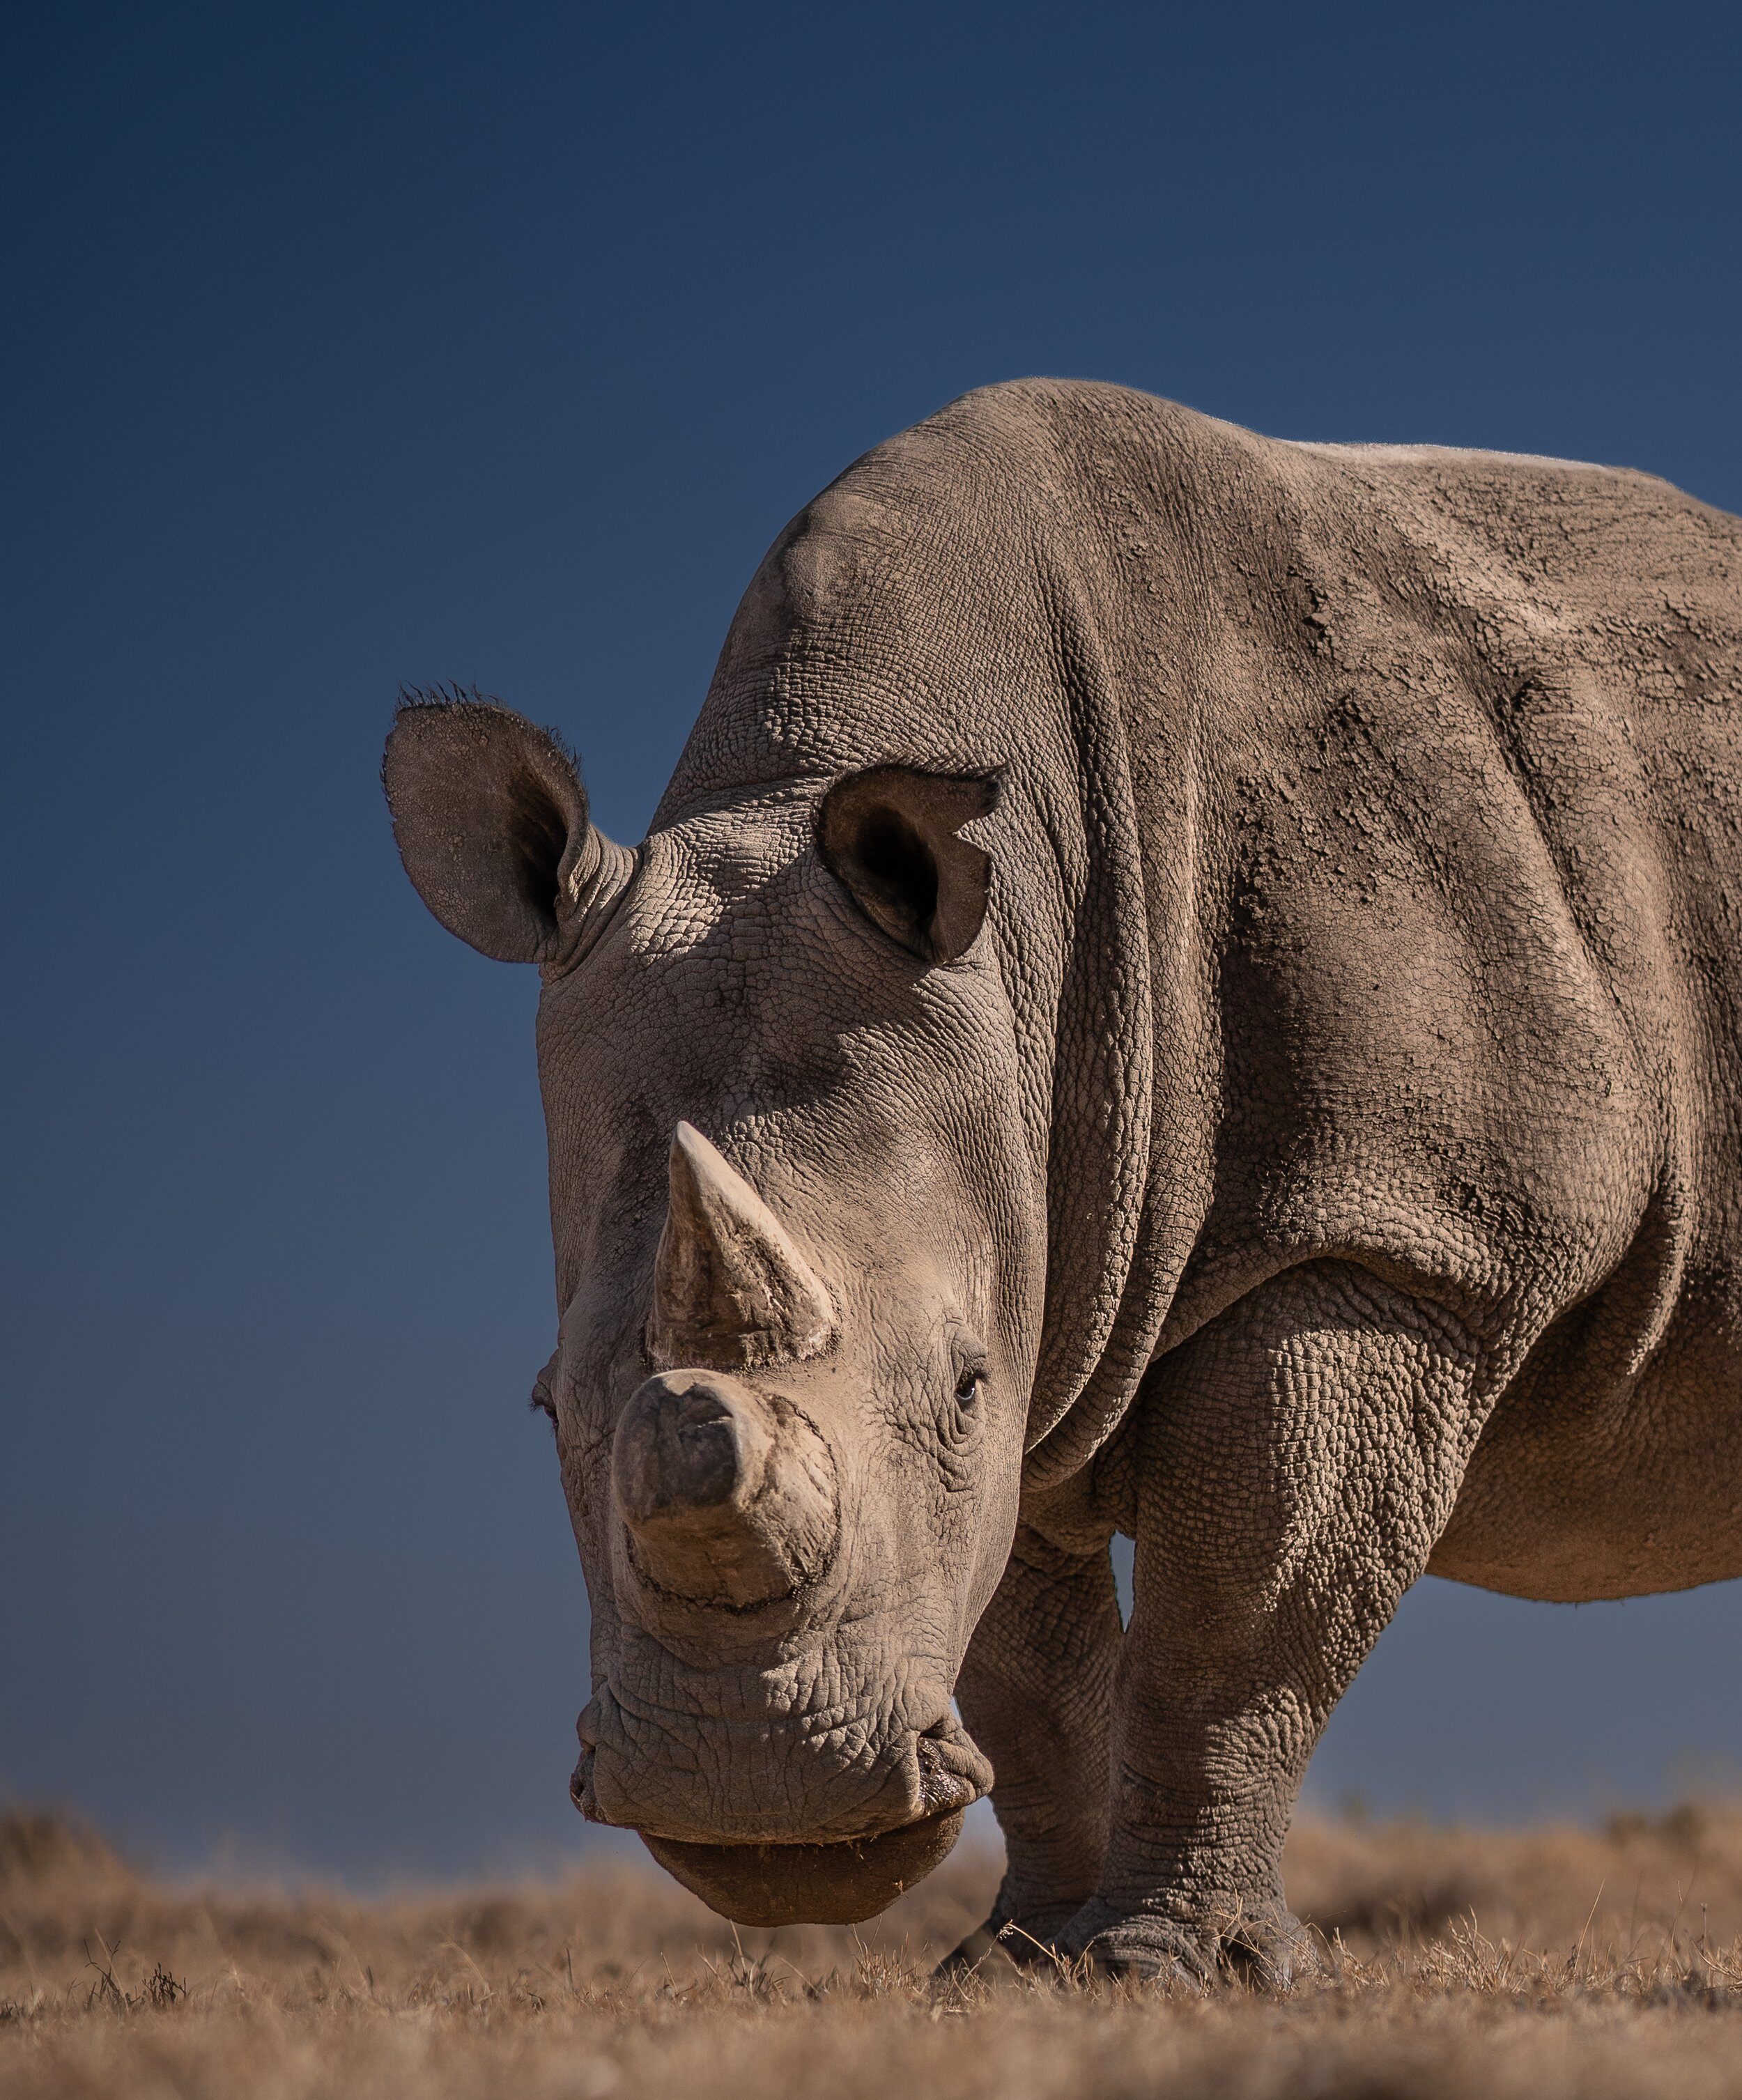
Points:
[(849, 1858)]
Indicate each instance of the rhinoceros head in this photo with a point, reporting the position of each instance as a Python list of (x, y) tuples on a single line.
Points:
[(799, 1212)]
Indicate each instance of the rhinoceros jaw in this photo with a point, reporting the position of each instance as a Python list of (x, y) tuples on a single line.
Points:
[(730, 1287)]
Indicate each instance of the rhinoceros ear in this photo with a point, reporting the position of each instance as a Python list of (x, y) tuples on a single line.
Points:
[(490, 820), (889, 834)]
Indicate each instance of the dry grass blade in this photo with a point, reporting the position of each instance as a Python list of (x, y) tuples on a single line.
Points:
[(1457, 1964)]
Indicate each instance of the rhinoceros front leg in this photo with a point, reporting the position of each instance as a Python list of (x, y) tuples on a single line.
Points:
[(1035, 1690), (1296, 1461)]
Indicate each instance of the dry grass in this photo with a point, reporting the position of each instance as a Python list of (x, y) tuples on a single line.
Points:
[(1539, 1963)]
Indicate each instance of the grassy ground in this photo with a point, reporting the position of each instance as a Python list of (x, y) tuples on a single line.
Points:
[(1538, 1963)]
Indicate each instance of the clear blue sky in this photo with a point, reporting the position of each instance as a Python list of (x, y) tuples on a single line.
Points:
[(355, 344)]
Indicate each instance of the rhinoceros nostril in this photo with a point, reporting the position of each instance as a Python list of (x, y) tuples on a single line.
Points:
[(953, 1769)]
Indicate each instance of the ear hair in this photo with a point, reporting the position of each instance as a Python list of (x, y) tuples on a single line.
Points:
[(888, 835)]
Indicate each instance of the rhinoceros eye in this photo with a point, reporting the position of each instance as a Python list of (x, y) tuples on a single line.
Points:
[(967, 1356), (963, 1414)]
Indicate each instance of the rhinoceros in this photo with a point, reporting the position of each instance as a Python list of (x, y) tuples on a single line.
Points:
[(1184, 985)]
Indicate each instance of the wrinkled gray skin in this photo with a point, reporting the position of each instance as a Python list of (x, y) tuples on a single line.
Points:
[(1201, 977)]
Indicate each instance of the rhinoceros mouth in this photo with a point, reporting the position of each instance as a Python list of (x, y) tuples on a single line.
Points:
[(918, 1779), (837, 1884)]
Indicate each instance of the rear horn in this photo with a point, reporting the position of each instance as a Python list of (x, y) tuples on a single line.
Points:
[(730, 1288)]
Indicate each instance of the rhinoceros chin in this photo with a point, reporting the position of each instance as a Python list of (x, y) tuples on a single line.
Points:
[(819, 1884)]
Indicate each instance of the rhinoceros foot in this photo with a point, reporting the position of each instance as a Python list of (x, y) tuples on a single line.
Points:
[(1271, 1953), (838, 1884)]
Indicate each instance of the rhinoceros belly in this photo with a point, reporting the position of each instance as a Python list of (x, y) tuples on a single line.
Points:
[(1580, 1490)]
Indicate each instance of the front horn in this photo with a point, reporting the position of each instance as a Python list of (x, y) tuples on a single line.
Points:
[(730, 1288)]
